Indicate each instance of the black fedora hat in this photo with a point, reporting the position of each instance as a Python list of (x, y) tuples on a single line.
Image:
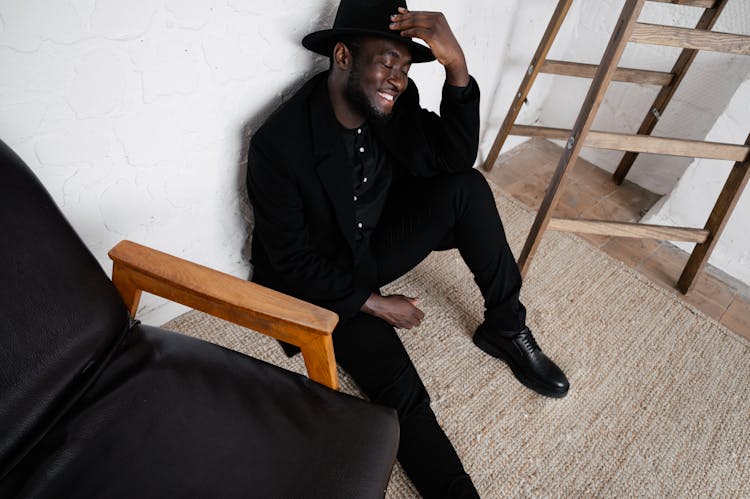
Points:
[(364, 17)]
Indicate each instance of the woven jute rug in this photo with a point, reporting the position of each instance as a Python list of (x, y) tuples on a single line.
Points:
[(659, 404)]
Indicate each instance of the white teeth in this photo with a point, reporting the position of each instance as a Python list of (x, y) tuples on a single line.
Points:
[(388, 97)]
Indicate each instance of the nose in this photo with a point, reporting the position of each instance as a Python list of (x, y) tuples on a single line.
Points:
[(398, 79)]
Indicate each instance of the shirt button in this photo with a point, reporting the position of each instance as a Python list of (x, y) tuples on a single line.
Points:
[(355, 198), (359, 130), (359, 225), (361, 149), (364, 180)]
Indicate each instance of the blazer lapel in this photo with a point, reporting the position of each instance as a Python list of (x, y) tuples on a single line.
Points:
[(331, 160)]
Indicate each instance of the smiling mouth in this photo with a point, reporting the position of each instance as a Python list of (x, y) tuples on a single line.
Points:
[(387, 97)]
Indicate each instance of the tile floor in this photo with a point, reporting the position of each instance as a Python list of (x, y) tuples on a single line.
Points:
[(524, 172)]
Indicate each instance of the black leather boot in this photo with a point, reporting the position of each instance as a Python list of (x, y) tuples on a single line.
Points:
[(527, 361)]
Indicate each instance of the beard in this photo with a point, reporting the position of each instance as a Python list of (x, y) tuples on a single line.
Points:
[(359, 100)]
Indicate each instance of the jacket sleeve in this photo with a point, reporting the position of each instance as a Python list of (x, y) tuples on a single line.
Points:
[(282, 230), (459, 141), (452, 138)]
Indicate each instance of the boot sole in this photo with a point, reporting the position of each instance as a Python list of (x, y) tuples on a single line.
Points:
[(530, 383)]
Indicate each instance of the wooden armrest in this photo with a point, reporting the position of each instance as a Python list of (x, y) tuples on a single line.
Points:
[(138, 268)]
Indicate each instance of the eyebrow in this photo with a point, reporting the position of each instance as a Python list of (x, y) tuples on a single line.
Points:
[(394, 53)]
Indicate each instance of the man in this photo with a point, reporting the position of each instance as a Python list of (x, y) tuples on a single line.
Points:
[(353, 184)]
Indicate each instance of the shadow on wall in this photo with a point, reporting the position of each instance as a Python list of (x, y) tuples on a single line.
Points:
[(314, 64), (700, 100), (555, 101), (702, 97), (494, 95)]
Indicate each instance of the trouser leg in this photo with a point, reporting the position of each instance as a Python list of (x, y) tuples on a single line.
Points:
[(452, 211), (369, 349)]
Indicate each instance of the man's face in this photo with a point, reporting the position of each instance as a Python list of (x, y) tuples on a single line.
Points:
[(378, 76)]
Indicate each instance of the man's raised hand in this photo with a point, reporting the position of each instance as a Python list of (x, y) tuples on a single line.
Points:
[(433, 28)]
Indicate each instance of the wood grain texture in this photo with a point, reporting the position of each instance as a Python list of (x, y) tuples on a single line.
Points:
[(130, 294), (664, 97), (628, 229), (528, 80), (706, 4), (673, 36), (643, 143), (717, 220), (580, 70), (617, 42), (139, 268)]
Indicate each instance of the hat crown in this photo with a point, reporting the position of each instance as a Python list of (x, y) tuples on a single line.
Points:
[(371, 15), (362, 18)]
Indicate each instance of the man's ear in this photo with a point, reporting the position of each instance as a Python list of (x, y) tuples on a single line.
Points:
[(342, 56)]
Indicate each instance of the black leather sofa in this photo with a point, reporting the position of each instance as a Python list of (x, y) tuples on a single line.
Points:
[(95, 405)]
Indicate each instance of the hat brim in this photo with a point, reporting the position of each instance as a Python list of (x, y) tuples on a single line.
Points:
[(322, 42)]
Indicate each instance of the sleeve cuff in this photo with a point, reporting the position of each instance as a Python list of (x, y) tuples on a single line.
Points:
[(351, 305), (461, 94)]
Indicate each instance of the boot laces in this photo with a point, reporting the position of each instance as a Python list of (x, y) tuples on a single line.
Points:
[(529, 343)]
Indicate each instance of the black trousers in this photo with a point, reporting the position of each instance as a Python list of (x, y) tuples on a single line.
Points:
[(422, 215)]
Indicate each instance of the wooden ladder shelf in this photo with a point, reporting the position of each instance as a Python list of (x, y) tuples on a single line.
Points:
[(628, 29)]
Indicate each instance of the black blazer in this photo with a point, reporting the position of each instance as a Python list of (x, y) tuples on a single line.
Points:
[(300, 185)]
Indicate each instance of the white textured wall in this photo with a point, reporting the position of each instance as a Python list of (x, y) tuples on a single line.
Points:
[(136, 115)]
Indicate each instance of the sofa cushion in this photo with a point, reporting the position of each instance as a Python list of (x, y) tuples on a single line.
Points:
[(174, 416), (60, 314)]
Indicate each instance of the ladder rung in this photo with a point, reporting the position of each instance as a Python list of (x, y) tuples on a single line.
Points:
[(706, 4), (629, 229), (621, 74), (696, 39), (643, 143)]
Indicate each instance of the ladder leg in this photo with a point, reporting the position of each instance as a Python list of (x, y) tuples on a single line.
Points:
[(536, 63), (706, 22), (610, 59), (728, 198)]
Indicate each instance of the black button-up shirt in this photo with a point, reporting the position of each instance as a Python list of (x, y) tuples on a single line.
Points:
[(371, 179)]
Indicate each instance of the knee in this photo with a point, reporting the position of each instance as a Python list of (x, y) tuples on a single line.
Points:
[(471, 187), (477, 182), (470, 182)]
